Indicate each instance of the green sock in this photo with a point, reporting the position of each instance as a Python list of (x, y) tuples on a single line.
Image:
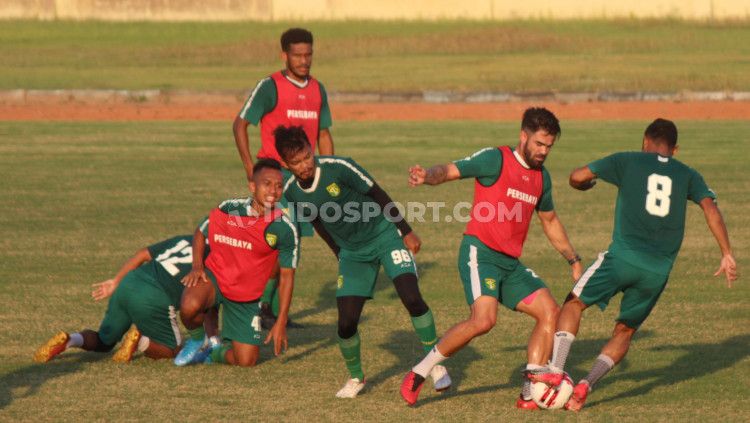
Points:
[(350, 351), (424, 325), (197, 334), (219, 355), (269, 292)]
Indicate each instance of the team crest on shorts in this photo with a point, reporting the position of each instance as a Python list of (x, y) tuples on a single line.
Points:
[(490, 283), (271, 239), (333, 189), (340, 281)]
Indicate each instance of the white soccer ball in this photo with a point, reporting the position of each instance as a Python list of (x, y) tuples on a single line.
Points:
[(552, 398)]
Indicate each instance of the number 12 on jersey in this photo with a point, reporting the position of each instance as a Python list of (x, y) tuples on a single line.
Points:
[(659, 189)]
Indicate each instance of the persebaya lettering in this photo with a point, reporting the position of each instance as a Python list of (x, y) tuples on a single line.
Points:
[(301, 114), (526, 198), (232, 242)]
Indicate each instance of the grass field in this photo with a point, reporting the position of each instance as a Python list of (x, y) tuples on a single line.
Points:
[(79, 198), (526, 56)]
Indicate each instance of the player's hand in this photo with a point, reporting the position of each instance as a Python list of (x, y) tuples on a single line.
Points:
[(416, 175), (412, 242), (729, 267), (103, 290), (194, 278), (576, 270), (278, 334)]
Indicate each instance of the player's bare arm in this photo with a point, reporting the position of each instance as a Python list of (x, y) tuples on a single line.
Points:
[(198, 274), (582, 178), (325, 143), (558, 237), (241, 139), (718, 228), (278, 331), (104, 289), (435, 175)]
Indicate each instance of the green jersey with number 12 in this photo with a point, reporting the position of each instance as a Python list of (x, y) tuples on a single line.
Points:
[(651, 201)]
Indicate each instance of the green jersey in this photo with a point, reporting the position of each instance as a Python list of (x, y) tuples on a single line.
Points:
[(338, 198), (651, 201), (171, 260), (486, 165), (280, 235)]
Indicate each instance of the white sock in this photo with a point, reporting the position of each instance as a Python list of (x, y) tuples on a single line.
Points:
[(143, 343), (560, 350), (526, 387), (76, 340), (432, 359)]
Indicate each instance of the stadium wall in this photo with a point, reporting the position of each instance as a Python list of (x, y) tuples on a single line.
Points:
[(284, 10)]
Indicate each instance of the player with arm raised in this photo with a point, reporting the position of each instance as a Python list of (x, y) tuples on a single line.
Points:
[(363, 239), (510, 186), (653, 191), (247, 237), (288, 97), (145, 292)]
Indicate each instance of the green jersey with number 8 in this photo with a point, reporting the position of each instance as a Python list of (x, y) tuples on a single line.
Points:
[(651, 201)]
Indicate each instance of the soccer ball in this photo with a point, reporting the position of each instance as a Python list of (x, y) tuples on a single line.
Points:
[(552, 398)]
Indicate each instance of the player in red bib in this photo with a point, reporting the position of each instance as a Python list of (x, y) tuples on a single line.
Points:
[(246, 238), (290, 97), (510, 186)]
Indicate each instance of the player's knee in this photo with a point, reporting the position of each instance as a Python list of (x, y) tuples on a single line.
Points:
[(347, 328), (623, 330), (483, 324), (415, 305), (247, 361)]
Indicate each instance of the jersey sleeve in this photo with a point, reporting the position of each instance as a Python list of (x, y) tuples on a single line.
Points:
[(155, 249), (610, 168), (203, 226), (697, 188), (261, 101), (326, 121), (283, 236), (485, 165), (545, 202), (354, 175)]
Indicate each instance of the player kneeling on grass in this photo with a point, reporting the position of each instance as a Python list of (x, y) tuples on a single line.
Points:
[(145, 292), (510, 186), (246, 238), (653, 190), (362, 238)]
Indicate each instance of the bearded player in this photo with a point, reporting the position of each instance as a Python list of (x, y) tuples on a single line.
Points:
[(510, 186), (362, 242), (653, 191), (247, 237), (145, 292), (287, 97)]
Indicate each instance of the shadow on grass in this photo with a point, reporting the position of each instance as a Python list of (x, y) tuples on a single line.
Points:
[(697, 360), (26, 381)]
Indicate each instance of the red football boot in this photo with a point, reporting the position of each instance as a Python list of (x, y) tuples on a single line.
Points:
[(411, 386), (578, 398), (526, 404)]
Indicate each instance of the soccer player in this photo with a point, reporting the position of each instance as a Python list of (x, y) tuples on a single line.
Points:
[(247, 237), (362, 238), (510, 185), (653, 190), (146, 292), (288, 97)]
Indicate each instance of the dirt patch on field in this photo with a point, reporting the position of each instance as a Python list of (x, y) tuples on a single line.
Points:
[(225, 111)]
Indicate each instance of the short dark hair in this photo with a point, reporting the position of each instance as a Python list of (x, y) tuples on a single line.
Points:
[(536, 118), (294, 36), (662, 131), (266, 164), (290, 140)]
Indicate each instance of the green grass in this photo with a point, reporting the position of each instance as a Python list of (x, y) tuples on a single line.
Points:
[(79, 198), (524, 56)]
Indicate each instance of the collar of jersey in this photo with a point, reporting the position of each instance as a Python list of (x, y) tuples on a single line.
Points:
[(520, 159), (249, 208), (295, 82), (314, 184)]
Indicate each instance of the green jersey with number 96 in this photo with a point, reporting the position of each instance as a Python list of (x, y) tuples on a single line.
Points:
[(651, 201)]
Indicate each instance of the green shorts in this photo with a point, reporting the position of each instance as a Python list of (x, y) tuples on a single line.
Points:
[(358, 269), (485, 271), (609, 275), (305, 228), (240, 321), (141, 301)]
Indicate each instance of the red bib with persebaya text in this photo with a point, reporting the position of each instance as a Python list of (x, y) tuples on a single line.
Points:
[(502, 212), (295, 106), (240, 257)]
